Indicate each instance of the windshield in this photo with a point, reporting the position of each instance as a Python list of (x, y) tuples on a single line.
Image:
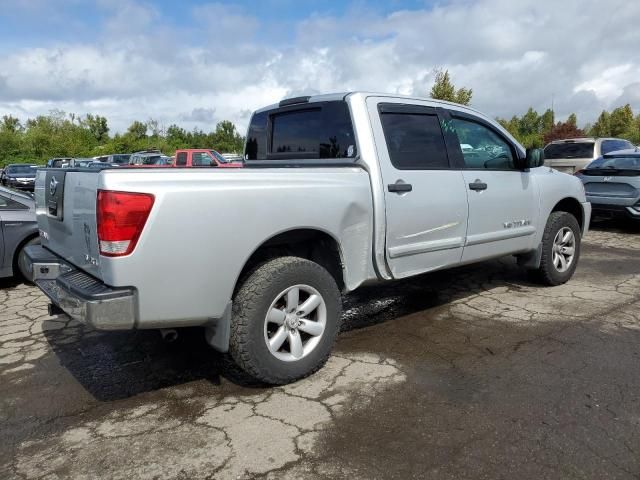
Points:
[(569, 150), (616, 163), (219, 157), (22, 169)]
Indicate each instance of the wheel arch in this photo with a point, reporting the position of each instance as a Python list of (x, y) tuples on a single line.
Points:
[(574, 207), (313, 244)]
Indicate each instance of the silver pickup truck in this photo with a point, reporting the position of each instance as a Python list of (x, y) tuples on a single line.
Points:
[(338, 191)]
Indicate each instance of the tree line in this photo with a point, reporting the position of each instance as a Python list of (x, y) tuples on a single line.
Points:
[(535, 130), (67, 135)]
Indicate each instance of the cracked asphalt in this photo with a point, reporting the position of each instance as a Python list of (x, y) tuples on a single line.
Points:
[(469, 373)]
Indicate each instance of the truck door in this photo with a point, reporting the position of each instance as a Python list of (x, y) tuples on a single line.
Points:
[(503, 206), (425, 199)]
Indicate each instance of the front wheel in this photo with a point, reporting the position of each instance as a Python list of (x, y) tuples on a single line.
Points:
[(286, 316), (560, 249)]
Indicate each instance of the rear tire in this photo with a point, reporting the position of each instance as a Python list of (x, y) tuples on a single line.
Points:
[(560, 249), (18, 267), (286, 316)]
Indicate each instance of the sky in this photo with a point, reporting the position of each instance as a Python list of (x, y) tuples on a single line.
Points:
[(194, 63)]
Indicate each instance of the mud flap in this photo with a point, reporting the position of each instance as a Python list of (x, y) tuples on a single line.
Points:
[(218, 333)]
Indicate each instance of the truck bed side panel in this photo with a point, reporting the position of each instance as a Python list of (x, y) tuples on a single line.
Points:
[(204, 226)]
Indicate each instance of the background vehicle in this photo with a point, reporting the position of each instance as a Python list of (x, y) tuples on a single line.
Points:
[(573, 154), (58, 162), (150, 158), (21, 176), (115, 158), (19, 229), (81, 162), (195, 157), (380, 191), (612, 183)]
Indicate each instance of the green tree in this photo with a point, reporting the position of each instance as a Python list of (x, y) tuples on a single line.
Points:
[(573, 120), (137, 130), (98, 127), (547, 121), (10, 124), (602, 127), (226, 138), (443, 89), (621, 121)]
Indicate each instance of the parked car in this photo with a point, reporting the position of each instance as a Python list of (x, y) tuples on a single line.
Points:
[(573, 154), (19, 230), (81, 162), (150, 158), (195, 157), (21, 176), (97, 164), (115, 158), (612, 183), (344, 190), (58, 162)]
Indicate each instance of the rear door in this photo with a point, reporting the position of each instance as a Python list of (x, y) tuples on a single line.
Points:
[(503, 199), (426, 203)]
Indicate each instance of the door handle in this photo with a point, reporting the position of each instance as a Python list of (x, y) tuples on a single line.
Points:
[(477, 186), (399, 187)]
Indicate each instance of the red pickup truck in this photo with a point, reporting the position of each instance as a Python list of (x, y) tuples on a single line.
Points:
[(196, 157)]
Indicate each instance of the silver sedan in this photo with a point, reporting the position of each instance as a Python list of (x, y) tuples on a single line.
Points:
[(18, 228), (612, 184)]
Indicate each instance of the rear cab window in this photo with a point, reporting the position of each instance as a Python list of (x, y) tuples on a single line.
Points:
[(316, 132), (569, 150)]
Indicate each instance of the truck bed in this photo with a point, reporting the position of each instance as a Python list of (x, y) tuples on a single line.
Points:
[(203, 227)]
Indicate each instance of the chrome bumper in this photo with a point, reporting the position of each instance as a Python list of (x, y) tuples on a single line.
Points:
[(79, 295)]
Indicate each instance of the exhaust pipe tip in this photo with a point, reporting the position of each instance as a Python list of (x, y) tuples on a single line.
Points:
[(169, 335)]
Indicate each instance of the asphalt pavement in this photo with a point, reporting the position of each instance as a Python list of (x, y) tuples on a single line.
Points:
[(471, 373)]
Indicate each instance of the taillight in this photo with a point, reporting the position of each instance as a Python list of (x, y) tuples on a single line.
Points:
[(121, 216), (579, 172)]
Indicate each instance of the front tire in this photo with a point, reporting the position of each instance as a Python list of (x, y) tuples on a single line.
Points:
[(560, 249), (286, 316)]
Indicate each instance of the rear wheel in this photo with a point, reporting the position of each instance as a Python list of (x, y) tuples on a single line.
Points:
[(20, 259), (560, 249), (285, 320)]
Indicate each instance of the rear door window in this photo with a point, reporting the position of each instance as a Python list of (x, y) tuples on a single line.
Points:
[(181, 159), (414, 141), (569, 150)]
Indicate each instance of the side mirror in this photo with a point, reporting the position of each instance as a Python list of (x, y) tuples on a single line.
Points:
[(535, 158)]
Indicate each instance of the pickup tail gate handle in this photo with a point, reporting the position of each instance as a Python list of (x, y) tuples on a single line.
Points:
[(399, 187), (478, 186)]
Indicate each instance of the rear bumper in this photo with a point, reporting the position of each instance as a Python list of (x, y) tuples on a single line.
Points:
[(612, 210), (80, 295)]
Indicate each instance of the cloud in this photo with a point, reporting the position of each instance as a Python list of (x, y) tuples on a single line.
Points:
[(200, 115), (222, 61)]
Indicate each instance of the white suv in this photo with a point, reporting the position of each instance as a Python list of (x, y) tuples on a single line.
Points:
[(574, 154)]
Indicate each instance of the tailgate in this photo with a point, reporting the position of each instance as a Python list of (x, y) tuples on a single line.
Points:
[(66, 210)]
